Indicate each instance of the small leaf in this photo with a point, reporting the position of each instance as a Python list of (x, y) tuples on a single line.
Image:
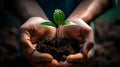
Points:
[(48, 24), (58, 16)]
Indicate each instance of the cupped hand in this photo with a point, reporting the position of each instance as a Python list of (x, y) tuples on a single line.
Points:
[(29, 34), (85, 35)]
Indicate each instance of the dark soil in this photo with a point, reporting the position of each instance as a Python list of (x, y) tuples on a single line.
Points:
[(58, 48)]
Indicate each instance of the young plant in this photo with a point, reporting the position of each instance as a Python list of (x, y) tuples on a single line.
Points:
[(59, 18)]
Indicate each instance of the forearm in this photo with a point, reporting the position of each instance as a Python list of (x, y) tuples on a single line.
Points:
[(28, 8), (89, 10)]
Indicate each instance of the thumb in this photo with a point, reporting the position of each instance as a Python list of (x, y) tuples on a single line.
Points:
[(87, 47)]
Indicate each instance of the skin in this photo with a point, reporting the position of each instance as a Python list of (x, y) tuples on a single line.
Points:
[(29, 39), (30, 32), (79, 31), (91, 10), (25, 9)]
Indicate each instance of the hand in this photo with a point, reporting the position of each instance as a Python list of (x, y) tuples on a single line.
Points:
[(83, 33), (87, 33), (29, 34)]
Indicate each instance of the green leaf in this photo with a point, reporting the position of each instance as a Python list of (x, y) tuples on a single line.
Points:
[(58, 16), (48, 24)]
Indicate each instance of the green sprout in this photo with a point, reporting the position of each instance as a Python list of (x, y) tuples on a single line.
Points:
[(59, 18)]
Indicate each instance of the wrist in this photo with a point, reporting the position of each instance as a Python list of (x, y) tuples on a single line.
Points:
[(86, 17), (41, 18), (76, 20), (37, 20)]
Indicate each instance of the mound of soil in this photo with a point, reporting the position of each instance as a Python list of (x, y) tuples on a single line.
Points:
[(58, 48), (62, 43)]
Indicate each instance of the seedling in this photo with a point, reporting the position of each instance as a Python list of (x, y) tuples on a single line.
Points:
[(59, 18)]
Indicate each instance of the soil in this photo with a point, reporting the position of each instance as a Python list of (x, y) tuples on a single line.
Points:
[(58, 48)]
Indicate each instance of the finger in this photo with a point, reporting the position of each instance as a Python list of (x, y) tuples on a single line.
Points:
[(53, 63), (71, 64), (86, 48), (91, 53), (79, 57), (38, 57), (25, 43), (89, 42)]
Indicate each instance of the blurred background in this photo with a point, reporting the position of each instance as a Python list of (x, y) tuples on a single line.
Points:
[(107, 35)]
